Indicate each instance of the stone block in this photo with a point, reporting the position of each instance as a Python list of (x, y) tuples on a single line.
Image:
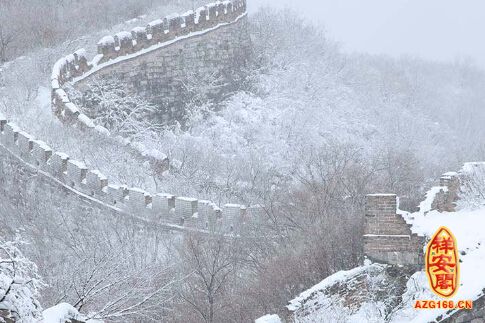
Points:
[(25, 145), (41, 153), (189, 21), (71, 112), (162, 205), (221, 12), (10, 136), (58, 164), (96, 182), (76, 173), (137, 199), (117, 194), (205, 212), (59, 101), (139, 34), (212, 14), (185, 208), (156, 31), (230, 15), (123, 43), (202, 20), (3, 122), (233, 215), (106, 47), (174, 23), (81, 61), (380, 205)]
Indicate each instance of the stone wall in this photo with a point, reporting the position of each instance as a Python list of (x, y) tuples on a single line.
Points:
[(444, 200), (67, 176), (466, 185), (387, 237), (153, 59), (156, 59), (164, 76)]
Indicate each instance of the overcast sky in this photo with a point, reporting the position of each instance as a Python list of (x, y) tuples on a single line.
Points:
[(434, 29)]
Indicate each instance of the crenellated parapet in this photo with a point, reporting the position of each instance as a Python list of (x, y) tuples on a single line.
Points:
[(112, 50), (176, 212), (127, 45), (65, 70), (169, 28)]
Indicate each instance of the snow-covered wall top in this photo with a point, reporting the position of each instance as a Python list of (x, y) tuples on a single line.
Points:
[(181, 212), (178, 213), (382, 293), (127, 45)]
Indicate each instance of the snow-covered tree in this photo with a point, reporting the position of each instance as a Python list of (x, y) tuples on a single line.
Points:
[(19, 285), (112, 106)]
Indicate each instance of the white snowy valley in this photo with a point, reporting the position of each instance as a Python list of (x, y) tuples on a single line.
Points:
[(225, 162)]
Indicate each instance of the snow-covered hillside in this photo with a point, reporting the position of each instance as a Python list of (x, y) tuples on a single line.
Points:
[(303, 130), (303, 95), (334, 299)]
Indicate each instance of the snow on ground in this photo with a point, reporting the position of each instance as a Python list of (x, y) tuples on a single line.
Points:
[(350, 296), (468, 227), (59, 313), (270, 318), (467, 224), (327, 282), (63, 312)]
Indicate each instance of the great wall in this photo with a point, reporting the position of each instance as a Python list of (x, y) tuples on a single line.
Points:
[(387, 237), (149, 55), (387, 234), (392, 274), (155, 56), (158, 38)]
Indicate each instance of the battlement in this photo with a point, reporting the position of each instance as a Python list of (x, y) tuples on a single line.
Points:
[(169, 28), (179, 212), (113, 50), (128, 44)]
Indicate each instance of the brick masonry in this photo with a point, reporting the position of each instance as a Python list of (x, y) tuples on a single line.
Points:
[(387, 237), (157, 60), (154, 59), (65, 175), (445, 199), (162, 75)]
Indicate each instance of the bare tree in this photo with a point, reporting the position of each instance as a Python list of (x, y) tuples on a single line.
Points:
[(212, 263), (6, 39)]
